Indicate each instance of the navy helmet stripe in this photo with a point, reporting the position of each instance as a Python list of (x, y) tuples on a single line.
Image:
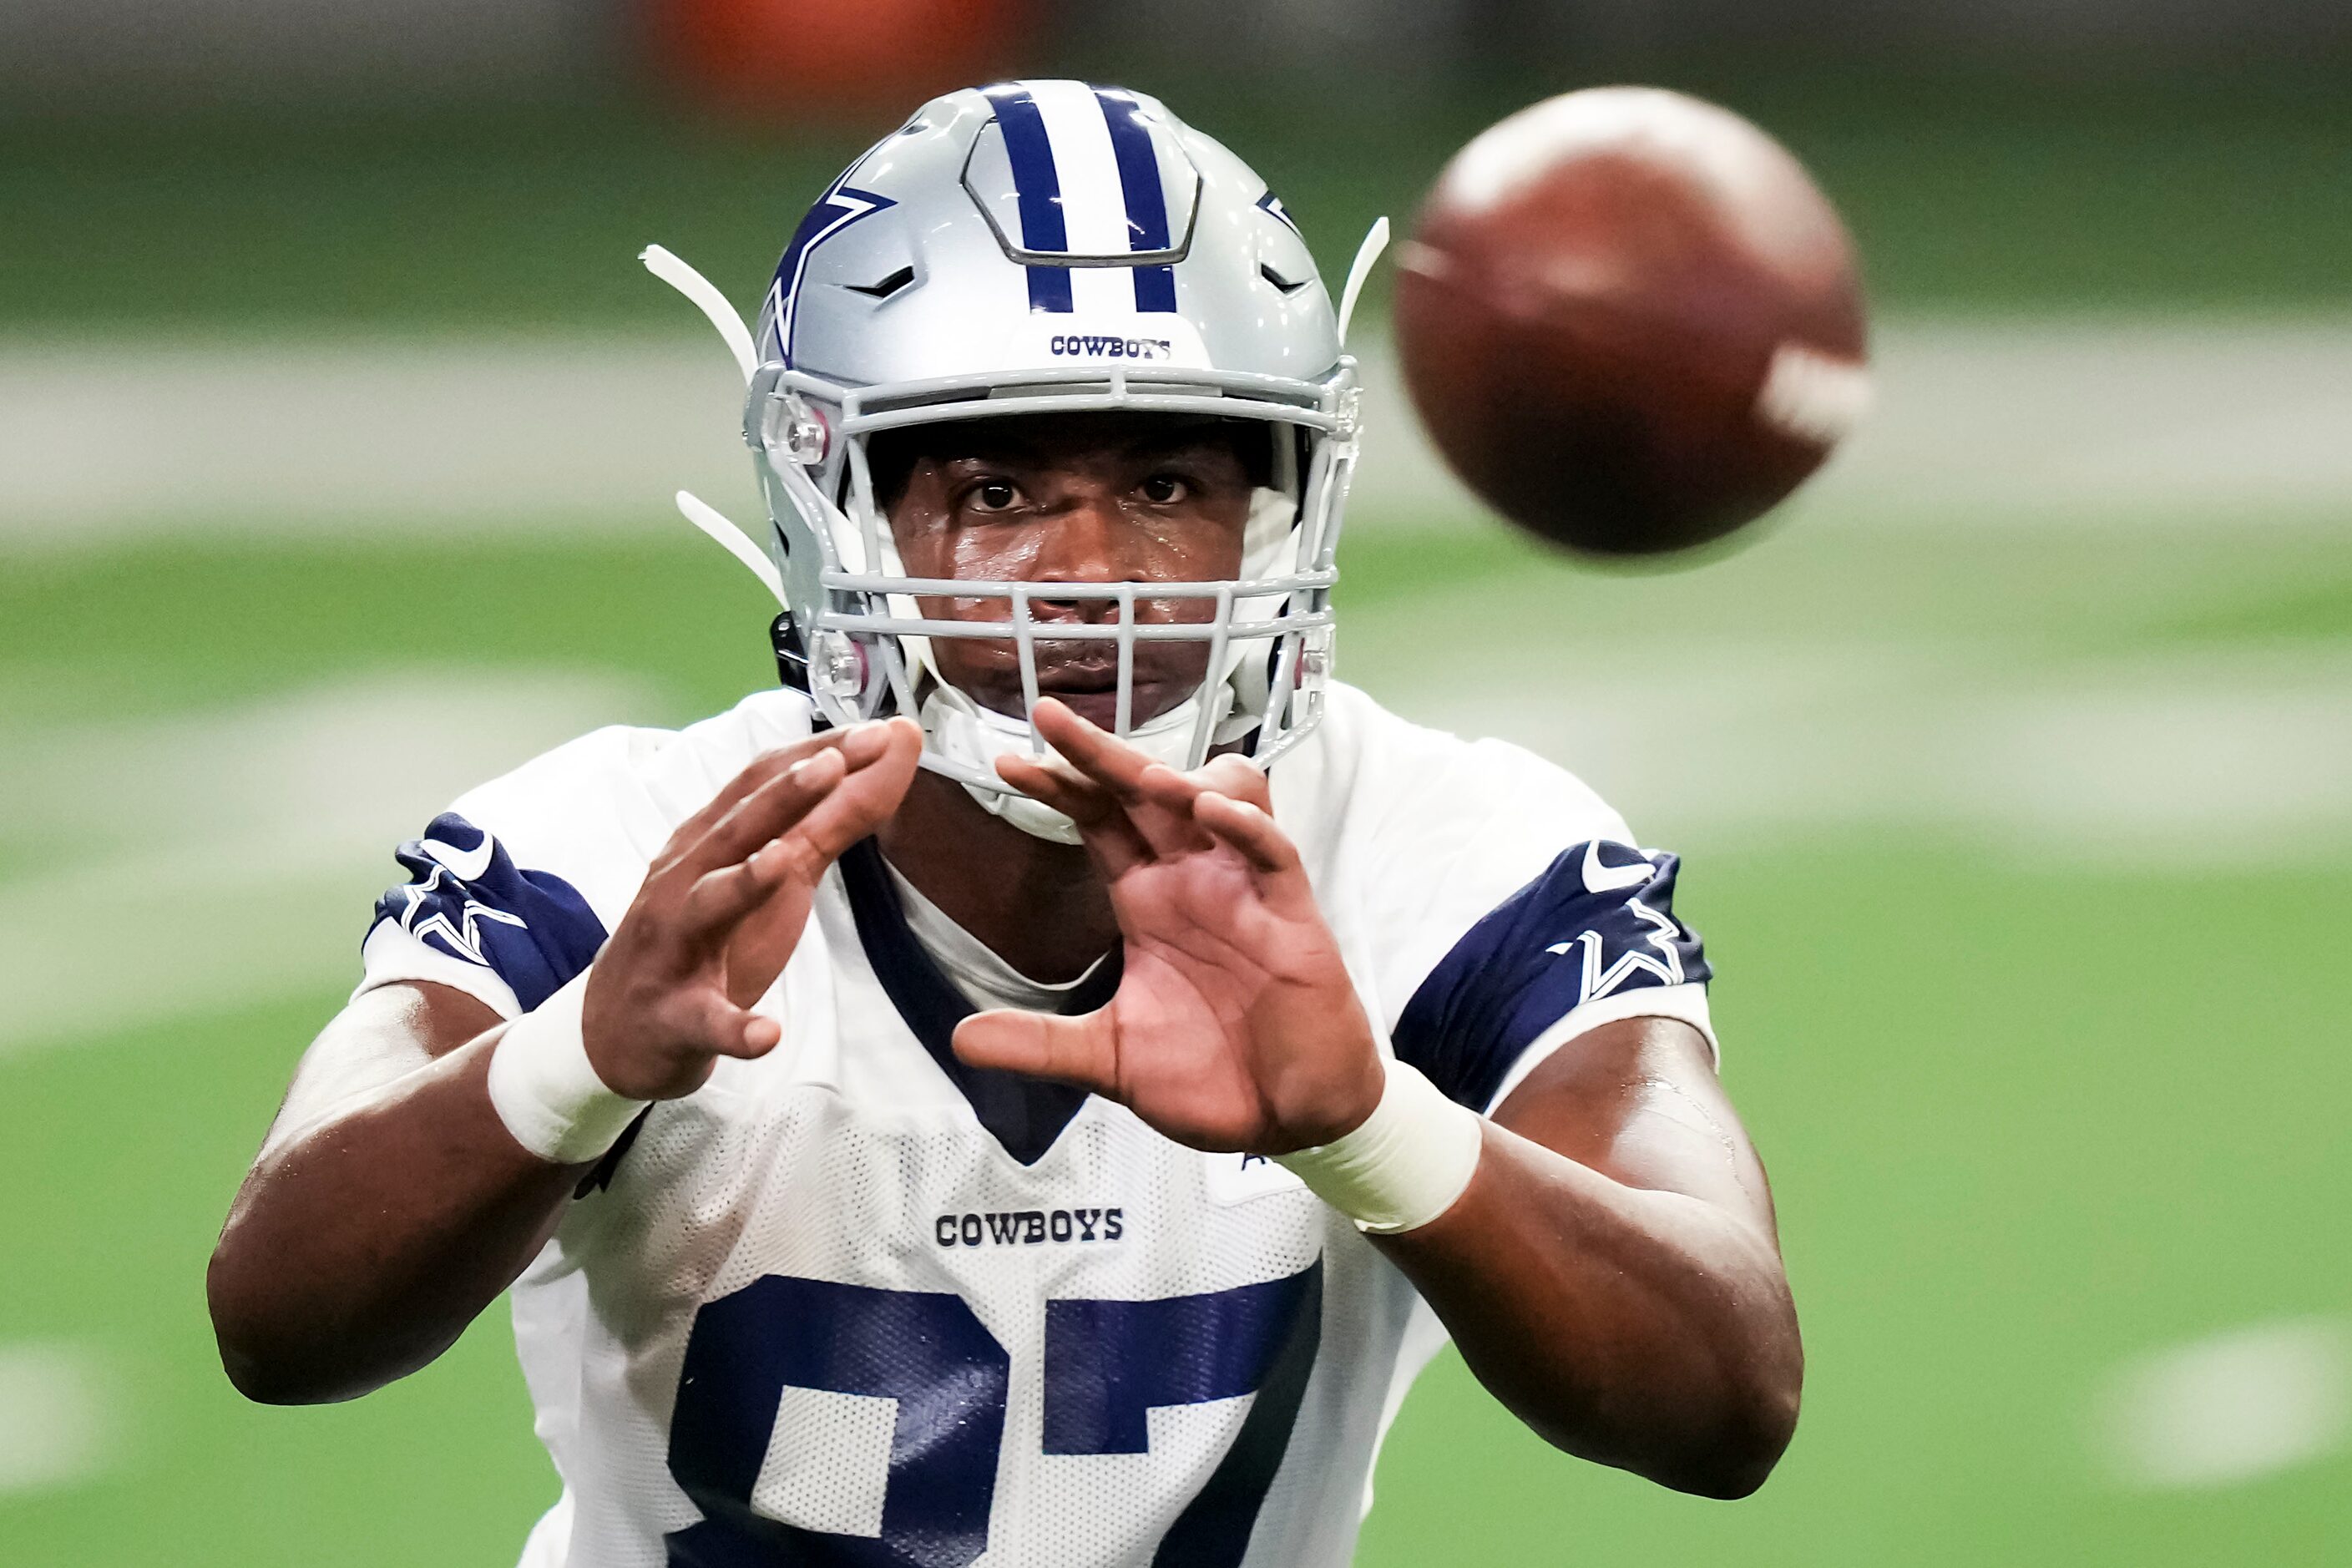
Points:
[(1139, 173), (1049, 289), (1147, 197), (1037, 185), (1155, 288), (1035, 179)]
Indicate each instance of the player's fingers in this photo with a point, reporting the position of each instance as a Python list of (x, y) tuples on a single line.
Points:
[(763, 941), (1162, 809), (1240, 778), (722, 899), (1173, 791), (1102, 821), (1081, 1050), (1248, 830), (1063, 788), (719, 900), (1124, 772), (759, 772), (1091, 750), (770, 813), (864, 745), (724, 894), (855, 807), (730, 850), (764, 812), (763, 815)]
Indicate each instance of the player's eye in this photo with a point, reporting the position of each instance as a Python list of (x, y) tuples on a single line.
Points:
[(1165, 490), (993, 495)]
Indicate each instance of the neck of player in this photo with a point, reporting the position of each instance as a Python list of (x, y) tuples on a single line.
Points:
[(1041, 907)]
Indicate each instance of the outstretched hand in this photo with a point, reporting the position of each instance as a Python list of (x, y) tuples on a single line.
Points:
[(723, 906), (1236, 1025)]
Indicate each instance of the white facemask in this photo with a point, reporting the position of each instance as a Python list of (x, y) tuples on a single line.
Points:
[(965, 732)]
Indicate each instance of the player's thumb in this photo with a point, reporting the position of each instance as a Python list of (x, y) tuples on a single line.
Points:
[(1044, 1045), (722, 1029)]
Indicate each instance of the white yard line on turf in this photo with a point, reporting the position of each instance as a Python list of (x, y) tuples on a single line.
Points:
[(105, 440), (1982, 418), (2197, 760), (61, 1415), (2227, 1409), (214, 859)]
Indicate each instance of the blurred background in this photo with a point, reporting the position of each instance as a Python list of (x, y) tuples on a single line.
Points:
[(2012, 764)]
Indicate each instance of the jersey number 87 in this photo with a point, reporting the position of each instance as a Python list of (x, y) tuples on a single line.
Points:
[(1107, 1363)]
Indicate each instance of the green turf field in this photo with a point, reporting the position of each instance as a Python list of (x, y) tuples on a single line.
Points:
[(2020, 844), (2030, 1114)]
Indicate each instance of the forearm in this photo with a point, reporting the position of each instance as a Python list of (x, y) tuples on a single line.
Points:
[(359, 1250), (1642, 1329)]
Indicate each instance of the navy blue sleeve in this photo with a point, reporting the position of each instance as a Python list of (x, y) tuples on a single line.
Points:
[(1598, 921), (465, 898)]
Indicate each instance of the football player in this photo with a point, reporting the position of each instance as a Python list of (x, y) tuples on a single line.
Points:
[(1042, 1083)]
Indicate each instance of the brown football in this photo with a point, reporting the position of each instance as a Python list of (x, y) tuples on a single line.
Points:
[(1631, 321)]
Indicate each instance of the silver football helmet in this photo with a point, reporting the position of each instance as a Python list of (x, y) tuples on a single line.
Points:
[(1041, 248)]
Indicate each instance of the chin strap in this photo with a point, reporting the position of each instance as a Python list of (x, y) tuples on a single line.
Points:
[(965, 732)]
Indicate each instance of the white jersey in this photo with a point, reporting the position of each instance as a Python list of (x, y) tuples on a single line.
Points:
[(856, 1303)]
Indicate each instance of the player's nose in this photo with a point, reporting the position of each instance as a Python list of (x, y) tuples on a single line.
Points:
[(1087, 540)]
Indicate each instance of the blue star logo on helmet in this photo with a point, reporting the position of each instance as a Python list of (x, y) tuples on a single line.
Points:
[(835, 210)]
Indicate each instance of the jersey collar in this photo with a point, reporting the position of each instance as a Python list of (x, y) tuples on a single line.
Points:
[(1023, 1113)]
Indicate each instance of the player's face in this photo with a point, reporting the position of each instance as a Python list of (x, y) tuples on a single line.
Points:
[(1100, 499)]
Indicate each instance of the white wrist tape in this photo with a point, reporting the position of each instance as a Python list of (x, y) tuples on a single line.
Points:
[(1405, 1165), (544, 1090)]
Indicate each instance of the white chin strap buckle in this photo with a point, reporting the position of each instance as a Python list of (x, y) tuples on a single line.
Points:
[(973, 737), (1032, 817), (963, 733)]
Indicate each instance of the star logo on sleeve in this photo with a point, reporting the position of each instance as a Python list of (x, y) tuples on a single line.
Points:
[(1627, 939), (427, 914), (466, 898), (1648, 949)]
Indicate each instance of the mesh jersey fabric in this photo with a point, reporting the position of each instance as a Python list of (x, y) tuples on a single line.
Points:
[(818, 1312)]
